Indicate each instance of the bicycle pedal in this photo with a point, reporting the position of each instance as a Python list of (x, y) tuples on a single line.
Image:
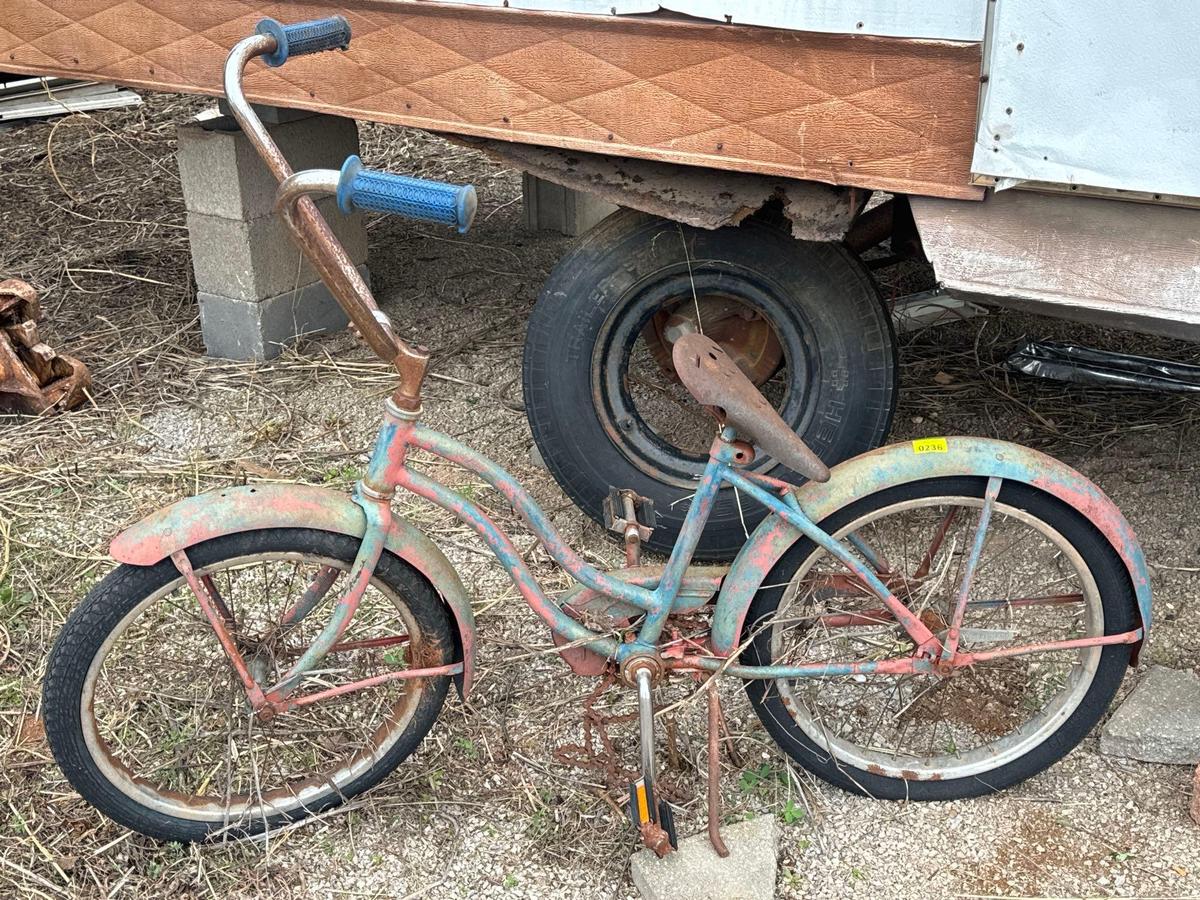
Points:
[(623, 508), (666, 819)]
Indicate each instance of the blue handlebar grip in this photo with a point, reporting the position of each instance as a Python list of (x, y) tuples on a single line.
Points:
[(413, 198), (304, 37)]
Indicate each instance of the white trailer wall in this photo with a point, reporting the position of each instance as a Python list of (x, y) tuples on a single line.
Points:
[(1103, 94)]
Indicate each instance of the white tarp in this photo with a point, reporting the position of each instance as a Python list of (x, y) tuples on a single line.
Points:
[(1104, 94), (947, 20)]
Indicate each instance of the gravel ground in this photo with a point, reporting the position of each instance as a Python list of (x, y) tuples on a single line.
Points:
[(485, 809)]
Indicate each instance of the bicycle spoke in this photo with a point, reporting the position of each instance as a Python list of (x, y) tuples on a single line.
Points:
[(972, 562), (936, 544), (311, 598)]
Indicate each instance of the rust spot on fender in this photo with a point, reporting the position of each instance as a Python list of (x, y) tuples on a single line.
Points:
[(430, 653)]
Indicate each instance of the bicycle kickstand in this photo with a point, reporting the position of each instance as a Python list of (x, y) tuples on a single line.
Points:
[(714, 771), (651, 817)]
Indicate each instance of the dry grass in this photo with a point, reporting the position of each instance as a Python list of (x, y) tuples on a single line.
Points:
[(94, 219), (164, 422)]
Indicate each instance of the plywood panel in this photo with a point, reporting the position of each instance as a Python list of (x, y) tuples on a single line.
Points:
[(883, 113)]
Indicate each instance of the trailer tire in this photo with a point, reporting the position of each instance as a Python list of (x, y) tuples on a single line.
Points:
[(839, 359)]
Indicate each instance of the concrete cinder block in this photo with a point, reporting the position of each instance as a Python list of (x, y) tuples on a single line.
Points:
[(259, 329), (222, 175), (270, 115), (1195, 807), (1159, 721), (256, 292), (695, 872), (250, 260), (552, 207)]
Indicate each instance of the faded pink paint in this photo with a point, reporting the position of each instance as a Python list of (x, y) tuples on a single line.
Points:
[(897, 464), (253, 692), (901, 666), (962, 659), (287, 703), (252, 508)]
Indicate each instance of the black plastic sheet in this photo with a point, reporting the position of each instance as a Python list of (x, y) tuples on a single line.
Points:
[(1084, 365)]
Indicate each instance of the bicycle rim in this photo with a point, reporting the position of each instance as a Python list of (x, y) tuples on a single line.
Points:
[(167, 721), (924, 726)]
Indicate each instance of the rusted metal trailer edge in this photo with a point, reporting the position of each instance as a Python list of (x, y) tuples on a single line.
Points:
[(693, 195), (1112, 262)]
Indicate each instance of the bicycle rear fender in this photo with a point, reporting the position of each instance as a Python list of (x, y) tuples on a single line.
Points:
[(915, 461), (254, 507)]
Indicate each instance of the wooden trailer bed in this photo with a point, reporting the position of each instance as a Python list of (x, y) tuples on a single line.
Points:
[(889, 113)]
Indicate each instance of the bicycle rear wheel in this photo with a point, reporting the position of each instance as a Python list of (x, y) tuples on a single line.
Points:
[(151, 725), (1045, 574)]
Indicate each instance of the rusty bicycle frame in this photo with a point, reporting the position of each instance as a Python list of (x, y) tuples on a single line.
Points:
[(388, 470), (641, 656)]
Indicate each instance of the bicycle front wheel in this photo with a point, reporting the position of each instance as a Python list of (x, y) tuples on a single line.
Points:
[(1045, 574), (149, 722)]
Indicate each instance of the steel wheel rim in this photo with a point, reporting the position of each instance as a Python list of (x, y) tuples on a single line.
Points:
[(988, 756), (640, 442), (280, 801), (750, 341)]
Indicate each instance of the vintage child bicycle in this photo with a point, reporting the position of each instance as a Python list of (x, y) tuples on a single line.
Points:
[(932, 620)]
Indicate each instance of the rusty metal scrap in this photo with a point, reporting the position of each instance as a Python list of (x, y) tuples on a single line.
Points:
[(656, 838), (33, 377), (705, 198)]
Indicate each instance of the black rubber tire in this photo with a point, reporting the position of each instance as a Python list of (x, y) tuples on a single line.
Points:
[(826, 295), (1117, 599), (86, 629)]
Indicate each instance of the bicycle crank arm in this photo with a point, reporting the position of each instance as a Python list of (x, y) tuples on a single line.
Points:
[(650, 816)]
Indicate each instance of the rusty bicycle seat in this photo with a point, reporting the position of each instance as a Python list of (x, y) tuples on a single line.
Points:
[(717, 383)]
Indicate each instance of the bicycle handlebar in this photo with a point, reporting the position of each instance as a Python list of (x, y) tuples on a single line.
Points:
[(313, 36), (355, 186), (414, 198)]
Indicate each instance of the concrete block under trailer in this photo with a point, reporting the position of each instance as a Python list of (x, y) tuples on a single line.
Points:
[(779, 117)]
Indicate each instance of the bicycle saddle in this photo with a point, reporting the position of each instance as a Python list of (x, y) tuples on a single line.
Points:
[(717, 383)]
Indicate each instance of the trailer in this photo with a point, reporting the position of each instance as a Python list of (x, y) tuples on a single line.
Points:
[(1041, 155)]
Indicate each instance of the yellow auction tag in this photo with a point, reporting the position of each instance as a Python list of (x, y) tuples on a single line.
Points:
[(930, 445)]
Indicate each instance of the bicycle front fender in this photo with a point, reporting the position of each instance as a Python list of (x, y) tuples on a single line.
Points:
[(254, 507), (916, 461)]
